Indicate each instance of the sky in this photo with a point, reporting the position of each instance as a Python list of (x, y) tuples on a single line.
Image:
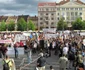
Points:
[(19, 7)]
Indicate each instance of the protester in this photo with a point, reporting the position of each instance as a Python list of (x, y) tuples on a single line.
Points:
[(7, 63), (63, 61), (16, 45), (0, 51), (51, 68), (4, 50), (41, 62)]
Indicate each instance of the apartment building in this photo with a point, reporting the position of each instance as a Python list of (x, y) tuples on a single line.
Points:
[(50, 13)]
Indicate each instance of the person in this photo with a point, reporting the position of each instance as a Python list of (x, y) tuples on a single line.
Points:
[(0, 52), (28, 54), (16, 45), (63, 61), (4, 50), (7, 63), (41, 62), (65, 50), (80, 60), (51, 68)]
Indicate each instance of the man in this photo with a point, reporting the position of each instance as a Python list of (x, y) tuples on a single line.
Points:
[(63, 61), (16, 45), (65, 50), (41, 62)]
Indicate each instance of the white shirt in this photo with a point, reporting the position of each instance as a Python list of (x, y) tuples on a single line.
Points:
[(65, 50)]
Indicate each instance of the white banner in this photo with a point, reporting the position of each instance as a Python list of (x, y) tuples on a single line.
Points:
[(52, 30), (5, 41), (48, 36)]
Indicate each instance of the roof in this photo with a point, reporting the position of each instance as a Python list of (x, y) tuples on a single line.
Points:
[(63, 2), (47, 3), (33, 18), (23, 16), (60, 3), (11, 18), (3, 18), (78, 1)]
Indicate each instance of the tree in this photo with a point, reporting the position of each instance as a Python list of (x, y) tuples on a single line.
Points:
[(21, 25), (77, 24), (83, 25), (61, 24), (11, 26), (30, 25), (2, 26)]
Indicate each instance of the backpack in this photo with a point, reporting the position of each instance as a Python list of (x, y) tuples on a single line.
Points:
[(6, 65)]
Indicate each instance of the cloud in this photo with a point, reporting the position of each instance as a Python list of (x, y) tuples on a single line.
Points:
[(17, 7)]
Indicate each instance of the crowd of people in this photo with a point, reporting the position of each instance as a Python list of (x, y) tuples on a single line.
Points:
[(69, 48)]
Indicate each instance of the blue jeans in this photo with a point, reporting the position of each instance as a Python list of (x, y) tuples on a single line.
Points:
[(16, 52)]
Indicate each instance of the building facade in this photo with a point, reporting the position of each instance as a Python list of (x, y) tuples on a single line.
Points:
[(69, 10)]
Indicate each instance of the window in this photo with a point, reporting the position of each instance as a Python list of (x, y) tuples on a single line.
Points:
[(76, 13), (63, 8), (52, 23), (58, 14), (67, 8), (41, 14), (72, 13), (76, 8), (80, 13), (58, 18), (47, 22), (41, 18), (72, 18), (46, 27), (52, 14), (80, 8), (47, 9), (68, 13), (71, 8), (52, 18), (58, 8), (46, 13), (63, 14), (46, 18), (68, 18)]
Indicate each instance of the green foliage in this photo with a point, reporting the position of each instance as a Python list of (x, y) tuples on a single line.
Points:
[(83, 25), (30, 25), (61, 25), (21, 25), (2, 26), (77, 24), (11, 26)]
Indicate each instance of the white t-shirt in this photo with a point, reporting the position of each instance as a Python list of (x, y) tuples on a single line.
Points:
[(65, 50)]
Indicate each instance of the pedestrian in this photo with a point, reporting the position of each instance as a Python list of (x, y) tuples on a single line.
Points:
[(7, 63), (41, 62), (63, 62)]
